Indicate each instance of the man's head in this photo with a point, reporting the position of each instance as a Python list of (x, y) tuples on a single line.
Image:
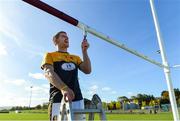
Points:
[(61, 40)]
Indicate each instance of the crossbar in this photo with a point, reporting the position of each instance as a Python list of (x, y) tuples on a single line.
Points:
[(59, 14)]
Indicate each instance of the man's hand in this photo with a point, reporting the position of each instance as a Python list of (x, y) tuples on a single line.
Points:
[(68, 94), (85, 66), (84, 45)]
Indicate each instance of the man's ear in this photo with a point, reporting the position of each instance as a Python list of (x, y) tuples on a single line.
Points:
[(55, 40)]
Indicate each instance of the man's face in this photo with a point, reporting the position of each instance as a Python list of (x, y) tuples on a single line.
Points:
[(63, 40)]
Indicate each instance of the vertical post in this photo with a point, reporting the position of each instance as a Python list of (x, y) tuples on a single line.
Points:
[(84, 33), (165, 62), (30, 96)]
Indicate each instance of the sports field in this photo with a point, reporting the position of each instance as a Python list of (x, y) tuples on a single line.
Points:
[(124, 117)]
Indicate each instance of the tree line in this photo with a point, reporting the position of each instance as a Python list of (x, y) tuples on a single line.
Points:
[(141, 100), (37, 107)]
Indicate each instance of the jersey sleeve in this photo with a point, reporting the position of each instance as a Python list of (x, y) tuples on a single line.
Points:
[(47, 59)]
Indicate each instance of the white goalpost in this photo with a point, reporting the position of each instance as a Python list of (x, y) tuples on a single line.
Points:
[(165, 62)]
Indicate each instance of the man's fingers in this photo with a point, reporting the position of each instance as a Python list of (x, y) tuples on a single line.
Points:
[(66, 98), (68, 95), (85, 44), (84, 39), (73, 95)]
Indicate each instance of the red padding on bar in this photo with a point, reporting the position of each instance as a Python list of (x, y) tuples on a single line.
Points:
[(53, 11)]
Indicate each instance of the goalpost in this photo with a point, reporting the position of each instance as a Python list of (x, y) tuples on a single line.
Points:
[(164, 65), (165, 62)]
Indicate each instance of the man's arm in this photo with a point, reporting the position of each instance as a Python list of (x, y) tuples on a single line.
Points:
[(85, 66), (56, 81)]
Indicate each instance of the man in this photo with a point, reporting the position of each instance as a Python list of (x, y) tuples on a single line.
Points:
[(61, 69)]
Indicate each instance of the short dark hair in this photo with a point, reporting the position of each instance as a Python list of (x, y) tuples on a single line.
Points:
[(57, 35)]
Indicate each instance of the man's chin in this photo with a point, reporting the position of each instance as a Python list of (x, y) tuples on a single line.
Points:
[(67, 46)]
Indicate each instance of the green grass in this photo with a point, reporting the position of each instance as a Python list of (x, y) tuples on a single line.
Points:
[(23, 116), (124, 117), (164, 116)]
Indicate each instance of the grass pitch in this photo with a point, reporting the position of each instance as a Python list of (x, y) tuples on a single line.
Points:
[(124, 117)]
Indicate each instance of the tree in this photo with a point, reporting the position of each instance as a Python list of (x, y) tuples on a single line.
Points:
[(110, 106), (135, 101), (104, 105), (45, 105), (140, 97), (178, 102), (122, 99), (177, 93), (114, 105), (133, 97), (143, 103), (165, 94), (164, 101), (118, 105), (152, 103), (38, 107)]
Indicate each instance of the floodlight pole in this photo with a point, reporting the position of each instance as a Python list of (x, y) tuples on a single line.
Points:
[(165, 62), (30, 97)]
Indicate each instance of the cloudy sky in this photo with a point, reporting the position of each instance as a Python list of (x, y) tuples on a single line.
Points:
[(26, 34)]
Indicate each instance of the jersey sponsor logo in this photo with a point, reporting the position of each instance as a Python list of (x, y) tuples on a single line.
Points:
[(68, 66)]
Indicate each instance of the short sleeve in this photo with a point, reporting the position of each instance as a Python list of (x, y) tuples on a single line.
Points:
[(47, 59), (79, 61)]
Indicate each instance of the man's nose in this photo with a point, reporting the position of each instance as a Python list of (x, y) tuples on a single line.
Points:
[(66, 37)]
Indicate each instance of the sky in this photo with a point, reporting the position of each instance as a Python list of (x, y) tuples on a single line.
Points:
[(26, 35)]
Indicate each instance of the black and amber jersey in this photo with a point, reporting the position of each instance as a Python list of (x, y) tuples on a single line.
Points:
[(66, 66)]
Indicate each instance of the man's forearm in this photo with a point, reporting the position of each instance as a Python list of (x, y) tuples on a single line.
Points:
[(54, 79), (86, 62)]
